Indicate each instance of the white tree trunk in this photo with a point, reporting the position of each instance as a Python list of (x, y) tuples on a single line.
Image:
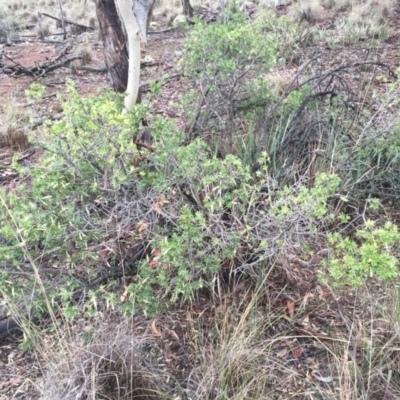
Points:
[(133, 36), (143, 10)]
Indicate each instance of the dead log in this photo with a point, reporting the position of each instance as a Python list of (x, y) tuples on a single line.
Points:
[(10, 331)]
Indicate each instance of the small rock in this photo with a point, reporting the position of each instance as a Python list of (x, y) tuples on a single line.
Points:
[(153, 25)]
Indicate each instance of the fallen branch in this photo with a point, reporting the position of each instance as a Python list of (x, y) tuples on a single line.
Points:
[(62, 52), (84, 27), (160, 32), (62, 20), (146, 86), (61, 64), (145, 145), (9, 331), (37, 70), (90, 69)]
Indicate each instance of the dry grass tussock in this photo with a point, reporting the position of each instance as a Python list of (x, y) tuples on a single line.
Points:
[(104, 361), (370, 12), (13, 117), (244, 347), (76, 10)]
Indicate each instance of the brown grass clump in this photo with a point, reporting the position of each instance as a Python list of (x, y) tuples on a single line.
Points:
[(15, 6), (236, 359), (16, 138), (45, 31), (8, 31), (92, 22), (112, 363), (11, 132), (309, 11), (33, 18), (256, 349), (87, 55)]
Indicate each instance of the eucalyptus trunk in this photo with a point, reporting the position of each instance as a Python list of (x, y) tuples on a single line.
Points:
[(187, 8), (115, 49)]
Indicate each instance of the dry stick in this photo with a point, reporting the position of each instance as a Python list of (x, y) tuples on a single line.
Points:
[(61, 64), (160, 32), (50, 34), (62, 20), (146, 86), (15, 62), (41, 40), (40, 25), (90, 69), (88, 28), (48, 67), (62, 52)]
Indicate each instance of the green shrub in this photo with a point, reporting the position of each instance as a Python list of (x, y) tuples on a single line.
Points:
[(371, 253), (227, 62), (88, 210)]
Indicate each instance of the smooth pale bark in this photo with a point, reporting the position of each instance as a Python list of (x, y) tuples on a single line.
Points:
[(143, 10), (135, 16), (133, 36), (115, 52)]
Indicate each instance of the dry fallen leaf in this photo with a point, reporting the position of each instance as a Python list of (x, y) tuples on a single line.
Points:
[(326, 379), (282, 353), (297, 352), (290, 307), (123, 295), (153, 264), (306, 321), (156, 207), (142, 226), (154, 329), (172, 334), (156, 252)]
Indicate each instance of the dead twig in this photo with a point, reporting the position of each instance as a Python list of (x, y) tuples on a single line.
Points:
[(62, 52), (62, 20), (67, 21), (37, 70), (146, 86), (40, 25), (90, 69), (146, 146)]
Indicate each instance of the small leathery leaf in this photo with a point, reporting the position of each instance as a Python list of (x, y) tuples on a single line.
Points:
[(154, 329)]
